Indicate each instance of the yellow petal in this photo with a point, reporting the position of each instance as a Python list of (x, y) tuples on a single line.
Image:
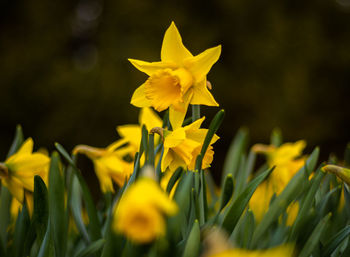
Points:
[(173, 49), (151, 67), (177, 113), (132, 133), (166, 160), (115, 145), (201, 64), (139, 99), (175, 138), (15, 187), (26, 148), (149, 118), (201, 95), (89, 151)]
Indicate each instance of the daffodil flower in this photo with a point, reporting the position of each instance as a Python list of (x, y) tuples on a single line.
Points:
[(182, 146), (279, 251), (177, 80), (140, 214), (109, 163), (18, 171), (287, 161)]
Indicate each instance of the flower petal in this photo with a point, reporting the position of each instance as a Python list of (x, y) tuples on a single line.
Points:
[(201, 95), (201, 64), (173, 49), (149, 118), (178, 112), (151, 67), (175, 138), (139, 99)]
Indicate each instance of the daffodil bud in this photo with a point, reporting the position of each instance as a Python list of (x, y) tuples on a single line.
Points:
[(340, 172)]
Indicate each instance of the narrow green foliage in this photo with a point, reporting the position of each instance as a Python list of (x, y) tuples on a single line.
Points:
[(335, 241), (227, 191), (151, 150), (41, 207), (93, 248), (290, 193), (314, 238), (193, 243), (58, 218), (174, 178), (94, 223), (196, 112), (21, 230), (307, 204), (237, 207), (233, 155), (276, 137)]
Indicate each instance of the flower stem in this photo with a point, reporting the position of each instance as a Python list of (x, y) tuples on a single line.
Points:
[(196, 112)]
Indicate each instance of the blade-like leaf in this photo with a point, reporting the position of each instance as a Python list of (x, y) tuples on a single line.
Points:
[(314, 237), (57, 207), (237, 207), (335, 241), (93, 248), (193, 242)]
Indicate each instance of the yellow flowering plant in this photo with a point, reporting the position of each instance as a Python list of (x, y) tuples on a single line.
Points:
[(156, 182)]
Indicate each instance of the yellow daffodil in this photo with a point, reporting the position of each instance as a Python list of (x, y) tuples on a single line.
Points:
[(287, 161), (109, 163), (18, 171), (279, 251), (131, 134), (177, 80), (141, 210), (340, 172), (182, 146)]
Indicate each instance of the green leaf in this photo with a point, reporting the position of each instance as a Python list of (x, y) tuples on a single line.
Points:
[(290, 192), (276, 137), (45, 245), (21, 230), (213, 128), (93, 248), (57, 213), (227, 191), (41, 207), (196, 112), (335, 241), (94, 223), (76, 208), (347, 155), (175, 177), (237, 207), (193, 242), (234, 154), (314, 237), (151, 150), (17, 141), (306, 204)]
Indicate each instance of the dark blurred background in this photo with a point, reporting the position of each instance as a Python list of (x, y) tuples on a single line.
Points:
[(64, 74)]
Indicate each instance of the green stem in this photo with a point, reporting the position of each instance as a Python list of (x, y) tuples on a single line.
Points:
[(196, 112)]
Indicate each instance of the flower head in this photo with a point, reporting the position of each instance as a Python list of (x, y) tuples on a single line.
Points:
[(109, 163), (287, 160), (18, 171), (182, 146), (141, 210), (177, 80)]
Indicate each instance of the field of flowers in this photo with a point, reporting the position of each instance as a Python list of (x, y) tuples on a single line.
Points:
[(159, 197)]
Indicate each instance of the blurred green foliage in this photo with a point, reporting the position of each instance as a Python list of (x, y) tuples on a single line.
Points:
[(65, 75)]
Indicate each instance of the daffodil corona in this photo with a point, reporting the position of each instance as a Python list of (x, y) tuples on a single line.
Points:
[(178, 80)]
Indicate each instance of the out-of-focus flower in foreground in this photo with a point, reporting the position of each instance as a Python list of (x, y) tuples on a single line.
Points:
[(140, 214), (109, 163), (18, 171), (178, 79), (182, 146), (217, 244), (287, 161)]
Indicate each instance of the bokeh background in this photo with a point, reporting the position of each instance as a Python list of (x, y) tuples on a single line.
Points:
[(64, 74)]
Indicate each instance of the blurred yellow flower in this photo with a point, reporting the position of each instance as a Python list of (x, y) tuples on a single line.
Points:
[(177, 80), (18, 171), (141, 210), (131, 134), (288, 161), (109, 163), (182, 146), (279, 251)]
